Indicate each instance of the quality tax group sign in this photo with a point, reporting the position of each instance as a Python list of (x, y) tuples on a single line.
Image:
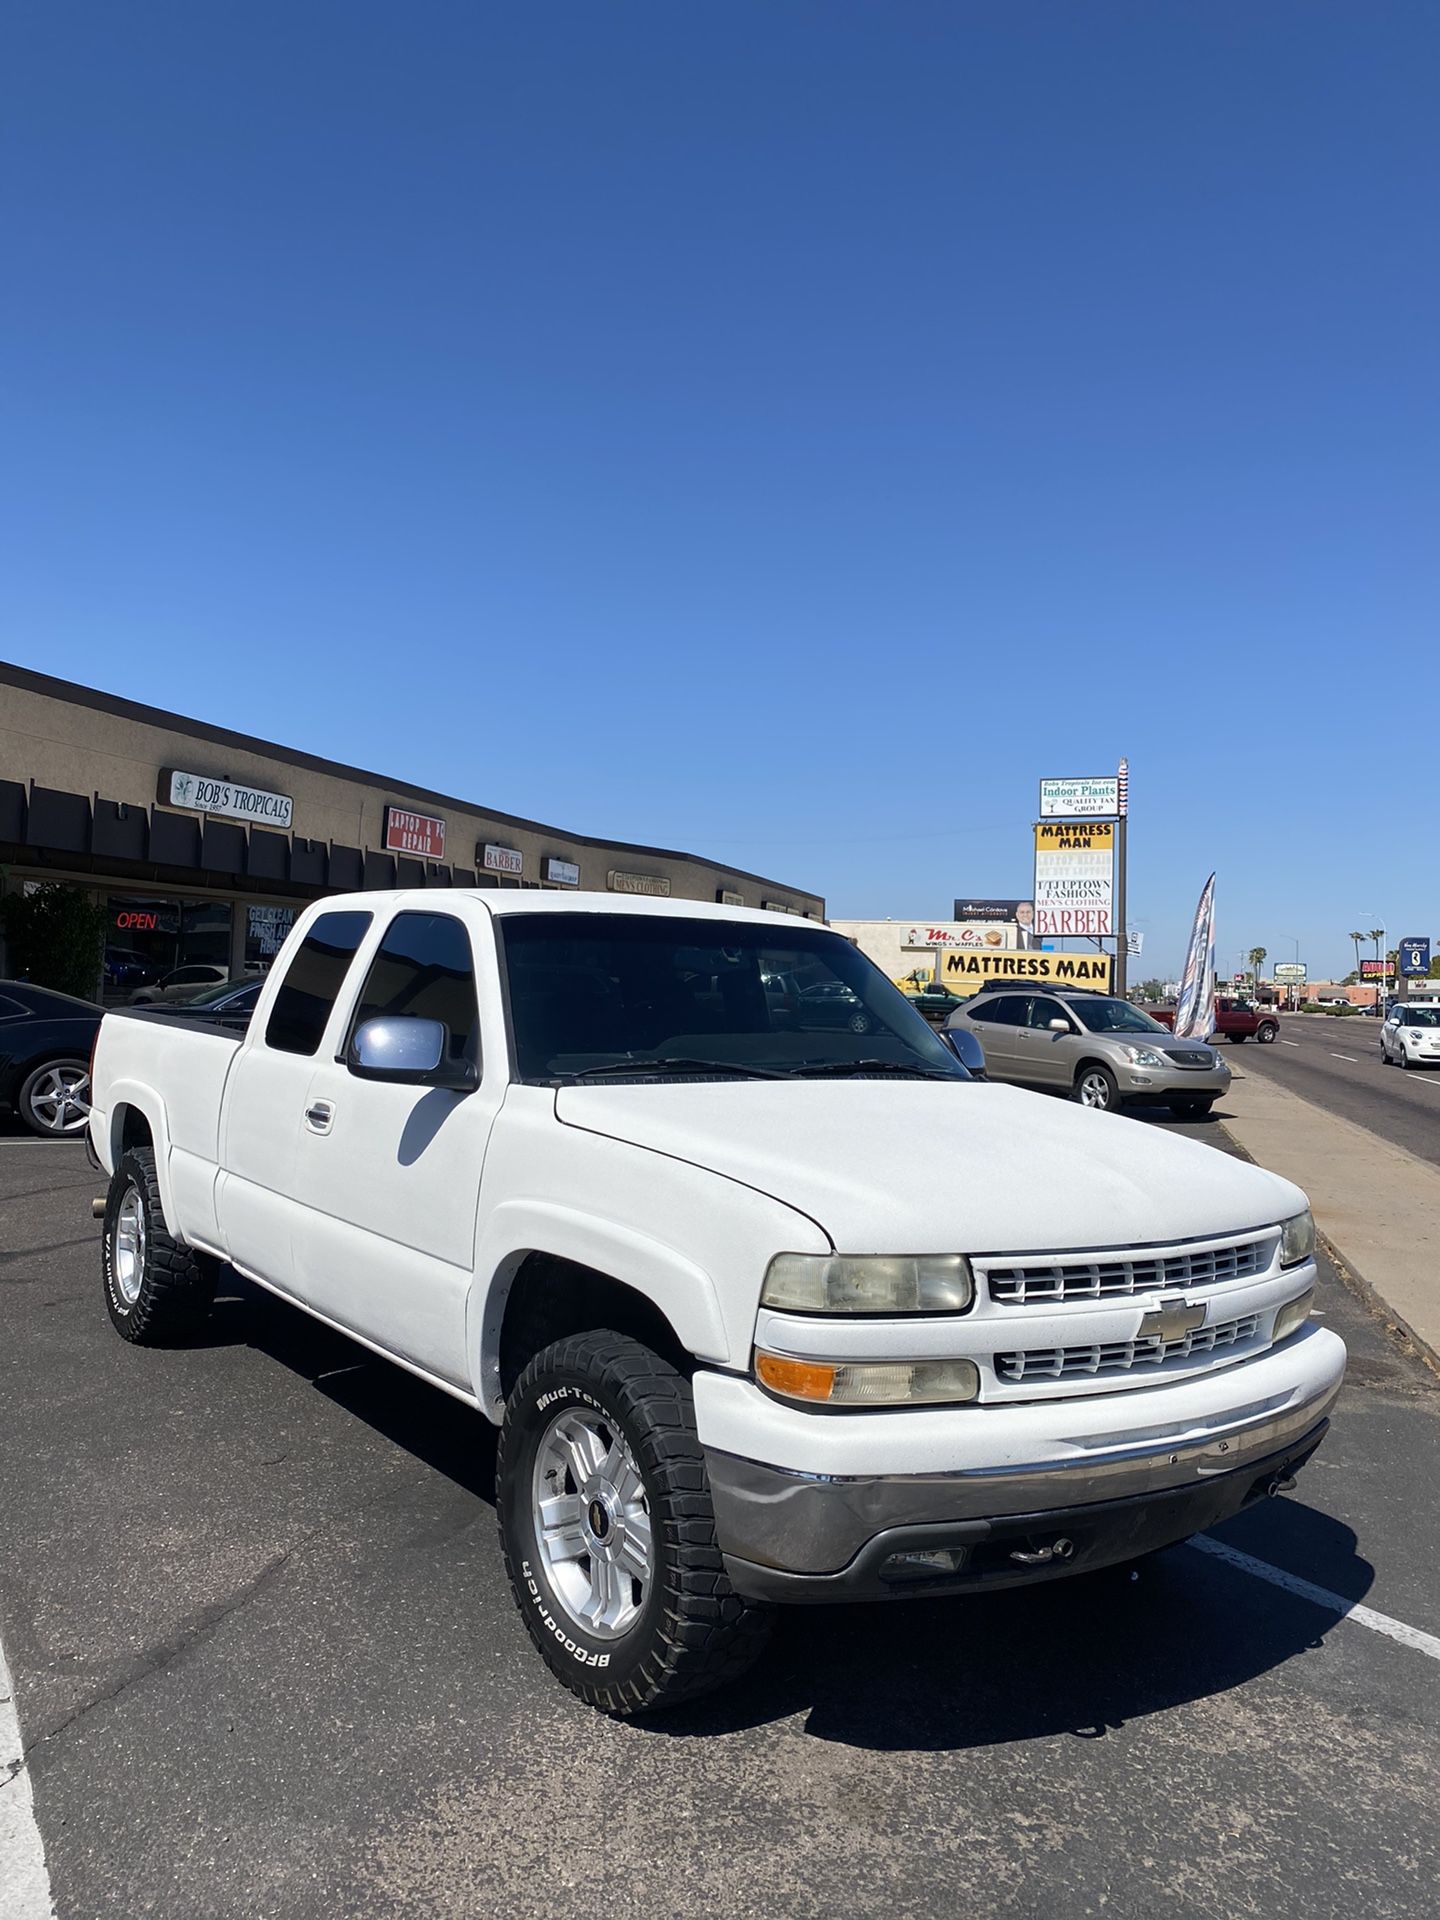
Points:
[(1074, 878)]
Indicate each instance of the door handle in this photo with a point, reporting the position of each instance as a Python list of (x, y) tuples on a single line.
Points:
[(319, 1115)]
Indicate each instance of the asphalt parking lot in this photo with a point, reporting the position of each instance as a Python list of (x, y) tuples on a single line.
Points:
[(267, 1665)]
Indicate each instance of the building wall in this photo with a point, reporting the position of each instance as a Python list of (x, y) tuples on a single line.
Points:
[(70, 740), (890, 945)]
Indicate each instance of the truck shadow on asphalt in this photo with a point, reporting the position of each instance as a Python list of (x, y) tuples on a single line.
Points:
[(1084, 1656)]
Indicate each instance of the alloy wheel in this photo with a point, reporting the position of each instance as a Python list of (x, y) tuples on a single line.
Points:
[(60, 1100), (592, 1522), (128, 1260)]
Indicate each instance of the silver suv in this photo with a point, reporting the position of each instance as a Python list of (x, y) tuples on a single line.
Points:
[(1096, 1048)]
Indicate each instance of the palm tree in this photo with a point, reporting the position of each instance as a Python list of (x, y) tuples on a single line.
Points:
[(1258, 957), (1357, 938), (1377, 934)]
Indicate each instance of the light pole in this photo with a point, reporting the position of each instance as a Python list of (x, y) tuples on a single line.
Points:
[(1294, 984)]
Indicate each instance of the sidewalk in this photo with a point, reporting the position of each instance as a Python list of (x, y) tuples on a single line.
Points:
[(1377, 1205)]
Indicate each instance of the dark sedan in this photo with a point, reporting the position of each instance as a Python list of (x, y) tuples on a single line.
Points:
[(46, 1040)]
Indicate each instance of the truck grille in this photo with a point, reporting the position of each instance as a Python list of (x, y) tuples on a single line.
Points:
[(1191, 1056), (1121, 1356), (1128, 1273)]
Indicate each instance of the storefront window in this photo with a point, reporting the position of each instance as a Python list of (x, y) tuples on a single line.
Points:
[(265, 931), (150, 937)]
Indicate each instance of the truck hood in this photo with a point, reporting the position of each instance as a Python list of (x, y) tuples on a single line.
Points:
[(914, 1166)]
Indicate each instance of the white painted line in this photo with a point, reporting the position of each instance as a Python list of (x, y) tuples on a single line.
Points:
[(24, 1881), (1290, 1043), (1413, 1637), (1346, 1056)]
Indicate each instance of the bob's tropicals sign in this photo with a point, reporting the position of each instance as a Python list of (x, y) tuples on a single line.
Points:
[(966, 973), (198, 793), (1074, 878), (1080, 798)]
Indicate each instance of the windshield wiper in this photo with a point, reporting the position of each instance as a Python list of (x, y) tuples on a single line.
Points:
[(674, 1064), (813, 1069)]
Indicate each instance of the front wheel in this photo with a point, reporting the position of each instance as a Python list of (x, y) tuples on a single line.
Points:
[(1097, 1087), (608, 1531), (156, 1288), (1266, 1033)]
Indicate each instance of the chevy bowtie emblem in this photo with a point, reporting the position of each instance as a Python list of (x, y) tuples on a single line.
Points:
[(1172, 1320)]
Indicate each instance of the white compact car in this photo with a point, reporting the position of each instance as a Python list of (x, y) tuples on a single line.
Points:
[(1410, 1036)]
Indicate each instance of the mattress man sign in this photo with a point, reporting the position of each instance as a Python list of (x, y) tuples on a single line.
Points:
[(1074, 877), (967, 972)]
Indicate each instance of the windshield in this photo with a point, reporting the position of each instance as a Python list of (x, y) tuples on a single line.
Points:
[(1420, 1017), (1106, 1015), (603, 993)]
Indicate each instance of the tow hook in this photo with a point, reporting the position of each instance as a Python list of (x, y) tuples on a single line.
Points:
[(1061, 1549), (1282, 1483)]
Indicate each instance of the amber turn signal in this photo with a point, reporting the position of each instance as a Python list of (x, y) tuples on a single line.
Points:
[(799, 1379)]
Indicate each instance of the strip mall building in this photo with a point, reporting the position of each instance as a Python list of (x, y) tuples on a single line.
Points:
[(202, 844)]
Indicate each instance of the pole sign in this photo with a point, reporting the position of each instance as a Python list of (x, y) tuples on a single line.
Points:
[(1075, 878), (1290, 970), (1415, 956), (1374, 969), (1078, 798)]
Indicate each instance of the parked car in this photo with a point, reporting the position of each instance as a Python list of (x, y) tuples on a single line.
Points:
[(763, 1314), (125, 970), (229, 1002), (45, 1044), (930, 997), (1237, 1020), (180, 984), (817, 1003), (1410, 1036), (1094, 1046)]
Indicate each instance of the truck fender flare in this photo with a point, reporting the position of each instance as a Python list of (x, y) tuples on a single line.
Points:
[(681, 1290), (132, 1095)]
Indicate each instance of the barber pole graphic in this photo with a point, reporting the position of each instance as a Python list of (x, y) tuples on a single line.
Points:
[(1122, 794), (1195, 1013)]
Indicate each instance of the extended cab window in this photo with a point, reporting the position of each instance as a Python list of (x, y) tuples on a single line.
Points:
[(423, 968), (312, 980)]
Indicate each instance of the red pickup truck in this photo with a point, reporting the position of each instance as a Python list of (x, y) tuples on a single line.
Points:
[(1237, 1019)]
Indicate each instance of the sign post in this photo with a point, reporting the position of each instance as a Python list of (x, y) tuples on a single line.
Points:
[(1122, 944)]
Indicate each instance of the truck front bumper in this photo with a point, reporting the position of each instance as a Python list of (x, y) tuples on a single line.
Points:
[(789, 1535)]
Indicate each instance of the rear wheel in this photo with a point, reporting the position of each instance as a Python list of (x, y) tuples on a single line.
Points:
[(156, 1288), (1096, 1086), (1238, 1039), (608, 1531), (54, 1099)]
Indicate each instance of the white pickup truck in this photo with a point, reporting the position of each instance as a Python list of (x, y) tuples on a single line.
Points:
[(767, 1307)]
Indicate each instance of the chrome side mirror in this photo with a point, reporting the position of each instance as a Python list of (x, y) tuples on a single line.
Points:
[(964, 1043), (409, 1053), (1058, 1025)]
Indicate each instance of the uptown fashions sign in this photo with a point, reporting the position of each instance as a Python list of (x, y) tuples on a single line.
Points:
[(421, 834), (1074, 879), (198, 793)]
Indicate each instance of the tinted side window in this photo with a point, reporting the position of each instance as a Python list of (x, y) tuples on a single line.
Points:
[(312, 980), (1003, 1010), (423, 967)]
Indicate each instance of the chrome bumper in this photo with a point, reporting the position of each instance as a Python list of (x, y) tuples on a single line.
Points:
[(811, 1531)]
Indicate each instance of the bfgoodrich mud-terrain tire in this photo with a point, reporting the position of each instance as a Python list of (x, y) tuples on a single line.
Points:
[(608, 1531), (156, 1289)]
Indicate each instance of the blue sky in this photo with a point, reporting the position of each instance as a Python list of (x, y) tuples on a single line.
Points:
[(783, 431)]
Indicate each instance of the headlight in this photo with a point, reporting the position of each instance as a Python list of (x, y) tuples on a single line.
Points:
[(1297, 1239), (1146, 1057), (1293, 1315), (837, 1283), (868, 1383)]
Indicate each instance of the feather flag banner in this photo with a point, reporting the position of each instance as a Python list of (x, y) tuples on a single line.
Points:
[(1195, 1012)]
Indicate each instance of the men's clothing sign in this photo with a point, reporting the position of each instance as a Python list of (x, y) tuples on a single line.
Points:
[(1074, 878)]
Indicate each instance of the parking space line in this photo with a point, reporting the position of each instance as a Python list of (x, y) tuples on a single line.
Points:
[(1346, 1056), (24, 1880), (1412, 1637), (1290, 1043)]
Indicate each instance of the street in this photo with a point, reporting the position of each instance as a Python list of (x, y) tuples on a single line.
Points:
[(1336, 1064), (267, 1663)]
